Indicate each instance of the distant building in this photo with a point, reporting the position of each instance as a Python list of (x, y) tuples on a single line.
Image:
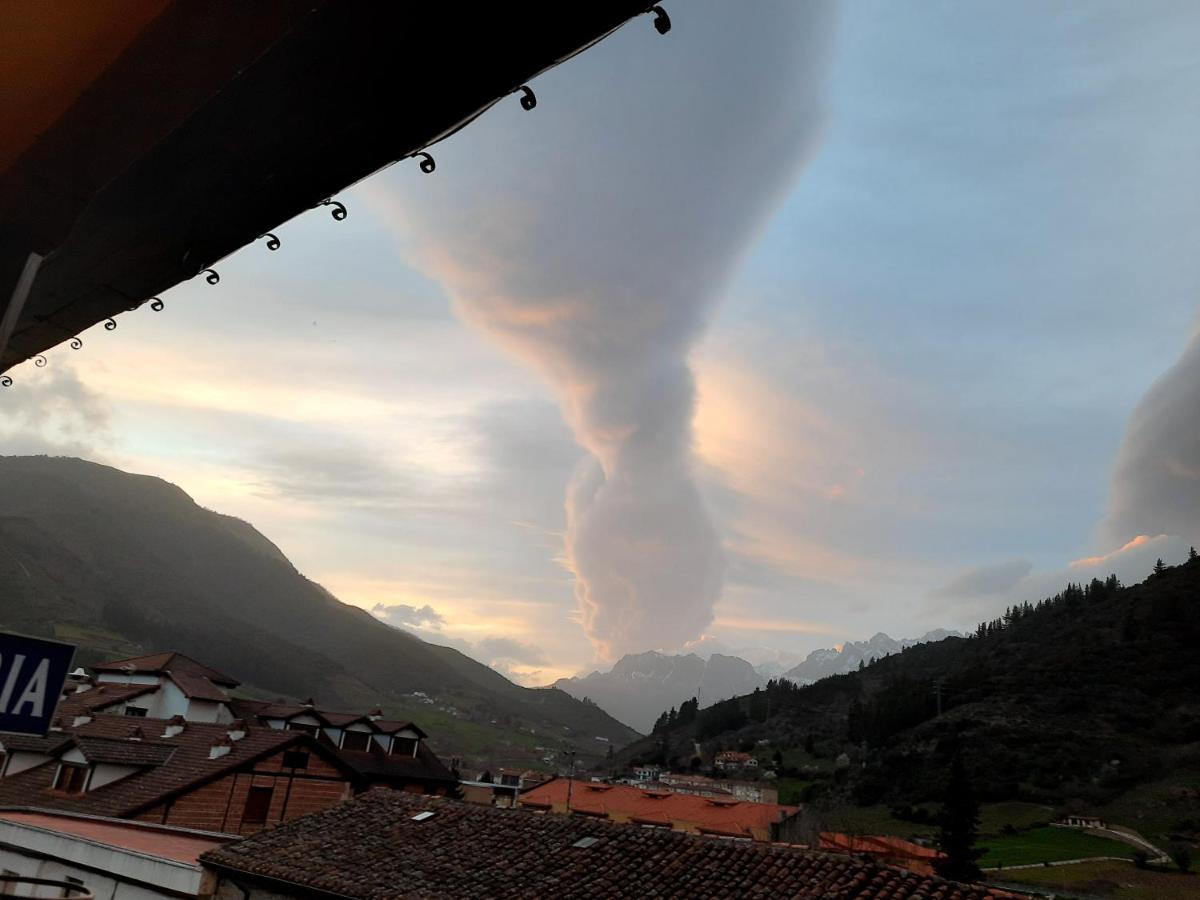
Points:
[(1082, 821), (733, 760), (392, 844), (724, 816), (646, 773)]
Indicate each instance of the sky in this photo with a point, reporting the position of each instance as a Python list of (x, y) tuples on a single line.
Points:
[(796, 324)]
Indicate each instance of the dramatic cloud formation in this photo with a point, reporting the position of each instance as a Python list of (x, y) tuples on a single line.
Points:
[(1156, 483), (595, 261)]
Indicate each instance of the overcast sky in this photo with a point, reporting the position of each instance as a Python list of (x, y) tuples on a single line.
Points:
[(788, 327)]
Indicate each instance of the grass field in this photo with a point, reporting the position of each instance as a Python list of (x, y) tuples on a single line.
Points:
[(1048, 845), (1118, 880)]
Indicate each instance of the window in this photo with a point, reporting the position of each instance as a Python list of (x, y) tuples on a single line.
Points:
[(295, 759), (70, 779), (258, 804), (76, 882), (404, 746), (300, 726), (356, 740), (136, 711)]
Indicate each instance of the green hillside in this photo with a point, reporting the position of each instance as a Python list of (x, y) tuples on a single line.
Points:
[(126, 563), (1089, 700)]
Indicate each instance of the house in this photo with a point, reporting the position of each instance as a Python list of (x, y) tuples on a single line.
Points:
[(111, 858), (380, 751), (646, 773), (157, 686), (503, 789), (232, 778), (723, 816), (384, 752), (392, 844), (732, 760)]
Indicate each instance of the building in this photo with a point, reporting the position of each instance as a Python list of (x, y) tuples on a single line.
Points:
[(703, 786), (1081, 821), (733, 761), (231, 778), (722, 816), (391, 844), (646, 773), (387, 752), (114, 859)]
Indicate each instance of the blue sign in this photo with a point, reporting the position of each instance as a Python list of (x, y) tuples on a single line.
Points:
[(32, 673)]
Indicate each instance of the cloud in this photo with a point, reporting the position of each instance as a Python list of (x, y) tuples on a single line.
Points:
[(51, 411), (1156, 480), (504, 649), (986, 581), (597, 261), (401, 614)]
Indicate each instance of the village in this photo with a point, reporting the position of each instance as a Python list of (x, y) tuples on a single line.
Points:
[(156, 779)]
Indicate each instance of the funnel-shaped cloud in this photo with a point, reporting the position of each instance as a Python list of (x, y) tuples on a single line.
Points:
[(1156, 482), (591, 241)]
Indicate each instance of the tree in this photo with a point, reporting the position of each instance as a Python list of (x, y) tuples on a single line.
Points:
[(1192, 555), (959, 823), (1159, 567)]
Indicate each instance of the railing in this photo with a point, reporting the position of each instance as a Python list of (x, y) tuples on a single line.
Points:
[(9, 885)]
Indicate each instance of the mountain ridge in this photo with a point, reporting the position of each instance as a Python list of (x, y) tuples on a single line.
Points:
[(96, 555)]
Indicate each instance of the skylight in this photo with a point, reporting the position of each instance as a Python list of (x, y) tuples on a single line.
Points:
[(422, 816), (584, 842)]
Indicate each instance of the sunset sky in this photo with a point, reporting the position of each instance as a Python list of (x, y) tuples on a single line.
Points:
[(785, 328)]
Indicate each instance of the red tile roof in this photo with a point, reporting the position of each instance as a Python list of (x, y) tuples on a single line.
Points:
[(879, 844), (371, 848), (101, 696), (166, 662), (720, 815), (167, 843)]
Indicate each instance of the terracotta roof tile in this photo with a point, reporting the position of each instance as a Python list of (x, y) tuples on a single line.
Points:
[(167, 661), (372, 848), (101, 696)]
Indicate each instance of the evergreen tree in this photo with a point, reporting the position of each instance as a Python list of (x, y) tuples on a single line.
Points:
[(1159, 567), (1192, 554), (959, 827)]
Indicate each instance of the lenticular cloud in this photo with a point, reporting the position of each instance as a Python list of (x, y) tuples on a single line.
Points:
[(590, 239)]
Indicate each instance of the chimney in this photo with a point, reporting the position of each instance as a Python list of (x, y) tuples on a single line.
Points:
[(174, 726), (220, 748), (135, 733), (56, 725), (237, 729), (375, 714)]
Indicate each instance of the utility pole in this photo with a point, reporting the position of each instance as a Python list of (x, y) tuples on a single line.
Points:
[(938, 684), (570, 778)]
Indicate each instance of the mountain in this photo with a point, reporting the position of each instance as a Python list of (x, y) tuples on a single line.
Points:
[(1086, 699), (641, 686), (823, 663), (120, 564)]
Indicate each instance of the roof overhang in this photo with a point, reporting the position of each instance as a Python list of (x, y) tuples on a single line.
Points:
[(138, 150)]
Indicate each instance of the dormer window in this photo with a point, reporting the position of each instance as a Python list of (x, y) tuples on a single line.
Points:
[(302, 726), (71, 779), (356, 740), (403, 746), (136, 711)]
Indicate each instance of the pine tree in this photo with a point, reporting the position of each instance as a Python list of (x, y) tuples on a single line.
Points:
[(1159, 567), (1192, 554), (959, 827)]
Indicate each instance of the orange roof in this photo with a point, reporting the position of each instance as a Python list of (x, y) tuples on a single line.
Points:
[(180, 846), (879, 844), (659, 807)]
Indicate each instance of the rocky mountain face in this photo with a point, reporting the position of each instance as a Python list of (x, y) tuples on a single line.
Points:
[(641, 685), (823, 663)]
